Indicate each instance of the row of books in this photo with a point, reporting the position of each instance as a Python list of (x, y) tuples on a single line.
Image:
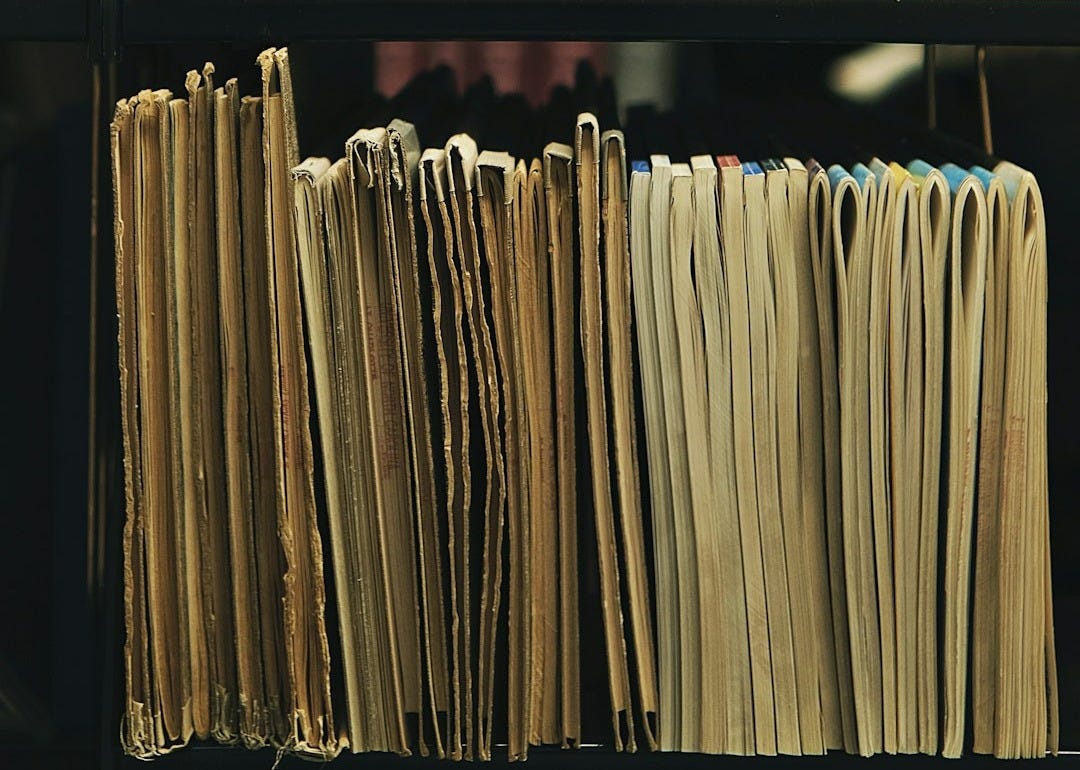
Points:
[(408, 432)]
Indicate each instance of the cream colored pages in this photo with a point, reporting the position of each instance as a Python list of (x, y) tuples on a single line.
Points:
[(587, 164), (404, 149), (700, 298), (690, 441), (454, 409), (250, 700), (261, 375), (495, 197), (985, 612), (779, 200), (558, 189), (732, 240), (680, 726), (967, 280), (739, 733), (852, 304), (726, 675), (667, 562), (307, 651), (823, 693), (934, 216), (882, 221), (823, 262), (665, 598), (905, 440), (865, 463), (1026, 693), (617, 313), (763, 378), (390, 516)]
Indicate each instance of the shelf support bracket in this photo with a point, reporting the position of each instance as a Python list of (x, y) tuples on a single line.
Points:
[(930, 74), (984, 99), (104, 30)]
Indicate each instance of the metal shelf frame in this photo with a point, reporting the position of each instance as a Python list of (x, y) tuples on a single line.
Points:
[(108, 25)]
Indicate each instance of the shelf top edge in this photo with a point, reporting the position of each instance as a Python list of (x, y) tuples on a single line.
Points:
[(997, 22)]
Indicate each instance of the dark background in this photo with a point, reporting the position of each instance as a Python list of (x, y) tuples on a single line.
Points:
[(59, 591)]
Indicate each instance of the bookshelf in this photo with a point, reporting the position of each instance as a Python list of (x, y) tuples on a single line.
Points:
[(107, 26), (886, 21)]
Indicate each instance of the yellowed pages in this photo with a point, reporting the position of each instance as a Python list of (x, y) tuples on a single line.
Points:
[(383, 407), (404, 149), (194, 676), (559, 197), (207, 460), (454, 408), (400, 515), (310, 719), (348, 517), (543, 518), (494, 192), (137, 733), (156, 429), (462, 155), (519, 674), (587, 164), (655, 432), (261, 375), (617, 312), (250, 700)]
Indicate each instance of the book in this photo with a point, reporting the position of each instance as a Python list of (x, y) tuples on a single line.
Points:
[(559, 197), (967, 281), (733, 243), (593, 329), (905, 442), (618, 315), (850, 243), (934, 216)]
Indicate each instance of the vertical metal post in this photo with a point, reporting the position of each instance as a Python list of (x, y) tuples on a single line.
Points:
[(984, 99), (930, 73)]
